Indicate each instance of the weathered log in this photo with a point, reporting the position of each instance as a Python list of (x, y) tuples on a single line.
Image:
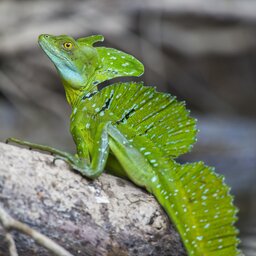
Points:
[(107, 216)]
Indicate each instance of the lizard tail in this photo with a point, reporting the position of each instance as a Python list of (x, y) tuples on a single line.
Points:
[(199, 203)]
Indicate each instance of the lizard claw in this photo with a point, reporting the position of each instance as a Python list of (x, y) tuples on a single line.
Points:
[(75, 164), (71, 160), (59, 158)]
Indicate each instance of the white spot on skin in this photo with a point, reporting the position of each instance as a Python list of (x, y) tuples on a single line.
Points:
[(87, 125), (125, 64), (118, 95), (74, 111), (206, 191), (200, 238), (207, 225), (141, 149), (147, 153), (154, 179), (102, 113)]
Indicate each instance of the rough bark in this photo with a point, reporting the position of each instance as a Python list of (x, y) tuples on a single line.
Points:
[(108, 216)]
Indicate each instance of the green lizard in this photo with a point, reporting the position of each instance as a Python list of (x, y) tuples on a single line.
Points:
[(136, 133)]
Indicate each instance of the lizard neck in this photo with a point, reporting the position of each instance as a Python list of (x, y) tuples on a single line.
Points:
[(74, 95)]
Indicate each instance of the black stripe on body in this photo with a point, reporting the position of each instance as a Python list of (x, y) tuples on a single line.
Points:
[(126, 116)]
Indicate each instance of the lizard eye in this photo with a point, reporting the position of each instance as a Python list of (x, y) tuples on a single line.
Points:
[(68, 45)]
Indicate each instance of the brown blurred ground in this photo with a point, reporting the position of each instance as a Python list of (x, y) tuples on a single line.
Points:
[(202, 51)]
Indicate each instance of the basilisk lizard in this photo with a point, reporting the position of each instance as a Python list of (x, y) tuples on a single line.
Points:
[(136, 132)]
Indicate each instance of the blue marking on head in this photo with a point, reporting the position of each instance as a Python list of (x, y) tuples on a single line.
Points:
[(69, 75)]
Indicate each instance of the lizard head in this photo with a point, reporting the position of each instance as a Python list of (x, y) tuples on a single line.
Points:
[(75, 63), (82, 66)]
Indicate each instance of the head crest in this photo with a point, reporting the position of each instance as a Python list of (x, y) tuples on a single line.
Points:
[(91, 40), (112, 63)]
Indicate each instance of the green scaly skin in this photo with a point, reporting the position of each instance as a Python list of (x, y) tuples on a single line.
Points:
[(136, 133)]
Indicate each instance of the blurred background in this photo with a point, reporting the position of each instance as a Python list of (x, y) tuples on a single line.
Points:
[(203, 51)]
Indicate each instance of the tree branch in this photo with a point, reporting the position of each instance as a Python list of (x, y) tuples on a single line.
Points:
[(11, 224), (11, 243), (101, 217)]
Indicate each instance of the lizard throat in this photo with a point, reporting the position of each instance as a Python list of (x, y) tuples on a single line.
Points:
[(72, 94)]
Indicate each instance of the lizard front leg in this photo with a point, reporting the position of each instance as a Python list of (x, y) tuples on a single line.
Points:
[(80, 161), (108, 136), (44, 148), (90, 166)]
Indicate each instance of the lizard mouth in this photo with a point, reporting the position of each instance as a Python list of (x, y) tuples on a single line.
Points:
[(43, 43)]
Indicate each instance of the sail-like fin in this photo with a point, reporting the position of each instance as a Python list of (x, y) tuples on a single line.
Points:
[(157, 116)]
